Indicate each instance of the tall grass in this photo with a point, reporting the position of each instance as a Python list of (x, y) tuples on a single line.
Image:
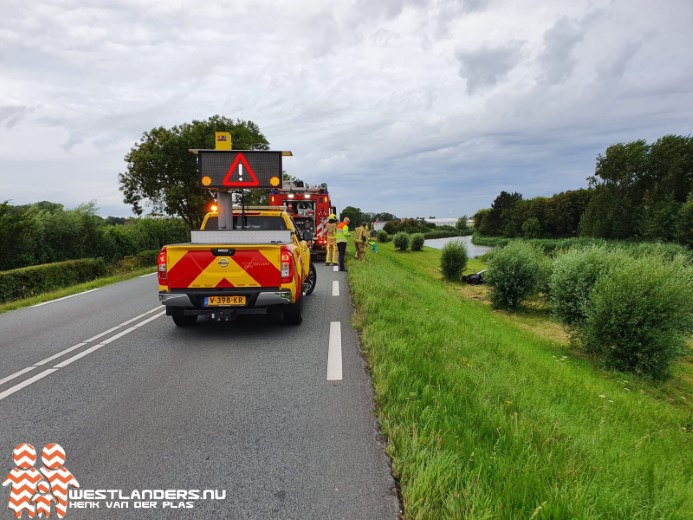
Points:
[(486, 420)]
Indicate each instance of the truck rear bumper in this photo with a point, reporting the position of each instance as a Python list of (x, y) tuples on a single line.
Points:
[(264, 299)]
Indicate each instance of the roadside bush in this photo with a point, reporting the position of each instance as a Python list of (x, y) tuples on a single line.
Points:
[(516, 271), (453, 260), (640, 315), (383, 236), (30, 281), (417, 241), (132, 262), (401, 241), (574, 275)]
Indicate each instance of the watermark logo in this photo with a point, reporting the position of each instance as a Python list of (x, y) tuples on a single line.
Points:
[(34, 491)]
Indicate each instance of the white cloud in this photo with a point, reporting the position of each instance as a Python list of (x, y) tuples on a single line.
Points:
[(432, 106)]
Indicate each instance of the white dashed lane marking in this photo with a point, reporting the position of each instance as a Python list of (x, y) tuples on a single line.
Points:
[(334, 353)]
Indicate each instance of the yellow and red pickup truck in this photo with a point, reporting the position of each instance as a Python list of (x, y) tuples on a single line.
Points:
[(261, 262)]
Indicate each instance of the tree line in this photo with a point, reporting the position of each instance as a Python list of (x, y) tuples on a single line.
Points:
[(638, 191), (46, 232)]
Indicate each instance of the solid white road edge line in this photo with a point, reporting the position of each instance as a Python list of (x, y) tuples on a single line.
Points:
[(145, 275), (334, 352), (17, 388), (65, 297), (335, 288)]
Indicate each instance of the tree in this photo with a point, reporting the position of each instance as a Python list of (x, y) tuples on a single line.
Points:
[(531, 228), (619, 182), (480, 218), (383, 217), (498, 220), (684, 229), (162, 173), (355, 215), (461, 223), (564, 211)]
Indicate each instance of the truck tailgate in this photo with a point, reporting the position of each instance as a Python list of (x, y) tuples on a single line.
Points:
[(204, 266)]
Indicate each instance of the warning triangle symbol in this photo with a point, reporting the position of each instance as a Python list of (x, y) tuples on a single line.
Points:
[(240, 174)]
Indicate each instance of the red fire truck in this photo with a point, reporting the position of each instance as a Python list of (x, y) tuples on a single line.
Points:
[(310, 208)]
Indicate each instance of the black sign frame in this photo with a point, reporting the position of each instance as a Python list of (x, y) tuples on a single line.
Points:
[(239, 169)]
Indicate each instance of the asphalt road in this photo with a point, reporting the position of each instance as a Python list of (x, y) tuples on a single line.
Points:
[(248, 410)]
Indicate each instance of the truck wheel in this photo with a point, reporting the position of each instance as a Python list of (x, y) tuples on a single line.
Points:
[(293, 313), (184, 321), (311, 280)]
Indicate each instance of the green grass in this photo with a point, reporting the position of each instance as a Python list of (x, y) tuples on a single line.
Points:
[(487, 419), (99, 282)]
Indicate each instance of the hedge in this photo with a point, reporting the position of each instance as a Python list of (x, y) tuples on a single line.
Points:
[(30, 281)]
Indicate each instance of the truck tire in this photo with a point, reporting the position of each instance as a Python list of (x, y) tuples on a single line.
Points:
[(293, 313), (184, 321), (311, 280)]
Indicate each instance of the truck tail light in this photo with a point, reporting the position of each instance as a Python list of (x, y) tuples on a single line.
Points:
[(161, 267), (287, 265)]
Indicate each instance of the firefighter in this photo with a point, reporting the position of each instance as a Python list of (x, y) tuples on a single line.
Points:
[(342, 237), (331, 234), (360, 240)]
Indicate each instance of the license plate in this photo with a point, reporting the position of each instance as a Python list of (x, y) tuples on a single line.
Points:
[(216, 301)]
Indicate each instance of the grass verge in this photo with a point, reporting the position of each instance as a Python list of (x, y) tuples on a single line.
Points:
[(485, 418), (99, 282)]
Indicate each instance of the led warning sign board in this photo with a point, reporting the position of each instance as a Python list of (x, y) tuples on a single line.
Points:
[(239, 169)]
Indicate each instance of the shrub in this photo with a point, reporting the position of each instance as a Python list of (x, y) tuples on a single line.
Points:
[(531, 228), (640, 315), (383, 236), (453, 260), (133, 262), (516, 272), (417, 241), (30, 281), (401, 241), (574, 275)]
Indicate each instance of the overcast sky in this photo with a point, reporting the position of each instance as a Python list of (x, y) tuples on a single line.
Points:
[(415, 107)]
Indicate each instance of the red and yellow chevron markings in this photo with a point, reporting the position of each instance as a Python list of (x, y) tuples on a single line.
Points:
[(59, 477), (198, 268), (189, 267), (22, 480)]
